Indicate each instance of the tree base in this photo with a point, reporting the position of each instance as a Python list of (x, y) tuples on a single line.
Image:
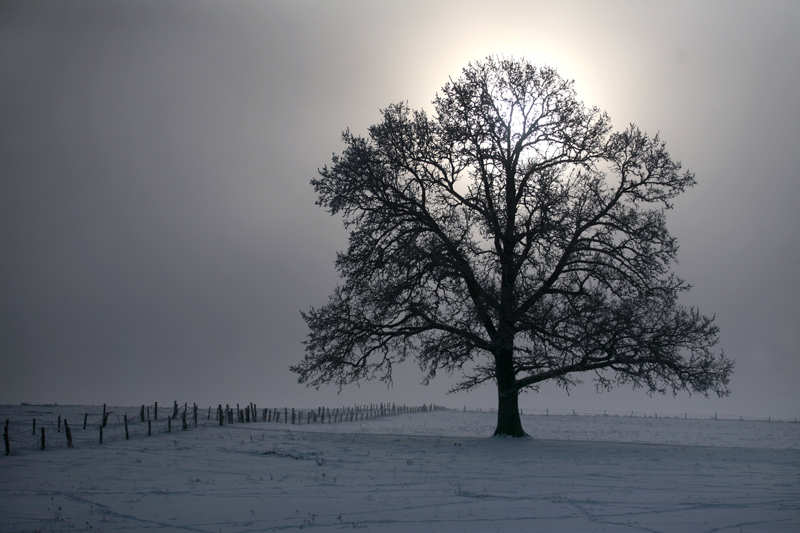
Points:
[(519, 435)]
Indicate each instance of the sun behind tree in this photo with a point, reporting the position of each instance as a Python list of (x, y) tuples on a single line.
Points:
[(510, 237)]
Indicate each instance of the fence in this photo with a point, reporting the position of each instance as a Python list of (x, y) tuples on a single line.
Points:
[(641, 414), (47, 427)]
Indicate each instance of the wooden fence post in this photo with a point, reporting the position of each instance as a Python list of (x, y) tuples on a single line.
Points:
[(149, 427), (155, 411), (85, 417), (175, 410), (169, 425), (69, 434), (105, 416), (184, 427), (59, 423), (141, 414), (194, 415), (34, 426), (127, 435)]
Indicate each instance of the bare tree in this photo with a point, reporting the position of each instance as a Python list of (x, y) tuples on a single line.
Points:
[(510, 237)]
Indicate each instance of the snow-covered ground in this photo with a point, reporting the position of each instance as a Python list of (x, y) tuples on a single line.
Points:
[(431, 471)]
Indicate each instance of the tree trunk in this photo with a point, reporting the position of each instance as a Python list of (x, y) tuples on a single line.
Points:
[(508, 421)]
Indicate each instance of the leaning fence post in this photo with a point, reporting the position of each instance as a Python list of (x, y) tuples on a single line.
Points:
[(85, 416), (69, 434)]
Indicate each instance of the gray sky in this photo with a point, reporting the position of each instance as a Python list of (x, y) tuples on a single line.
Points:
[(158, 233)]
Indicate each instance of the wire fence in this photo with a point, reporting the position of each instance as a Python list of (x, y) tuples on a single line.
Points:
[(29, 428), (640, 414)]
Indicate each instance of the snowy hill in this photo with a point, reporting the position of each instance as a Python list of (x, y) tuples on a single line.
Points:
[(431, 471)]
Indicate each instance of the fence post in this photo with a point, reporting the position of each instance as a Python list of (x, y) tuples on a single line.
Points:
[(184, 421), (175, 410), (127, 435), (195, 415), (69, 434), (34, 427), (141, 414), (105, 416), (169, 425), (155, 411), (149, 427), (85, 416)]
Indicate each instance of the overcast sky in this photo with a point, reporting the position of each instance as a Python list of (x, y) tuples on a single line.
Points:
[(158, 233)]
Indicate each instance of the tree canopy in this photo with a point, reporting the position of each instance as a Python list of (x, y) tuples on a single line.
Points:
[(510, 237)]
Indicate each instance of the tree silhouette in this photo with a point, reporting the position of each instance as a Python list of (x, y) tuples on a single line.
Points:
[(510, 237)]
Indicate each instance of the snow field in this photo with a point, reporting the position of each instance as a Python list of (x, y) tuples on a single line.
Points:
[(434, 471)]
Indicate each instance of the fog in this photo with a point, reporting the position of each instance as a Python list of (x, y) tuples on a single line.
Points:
[(159, 234)]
